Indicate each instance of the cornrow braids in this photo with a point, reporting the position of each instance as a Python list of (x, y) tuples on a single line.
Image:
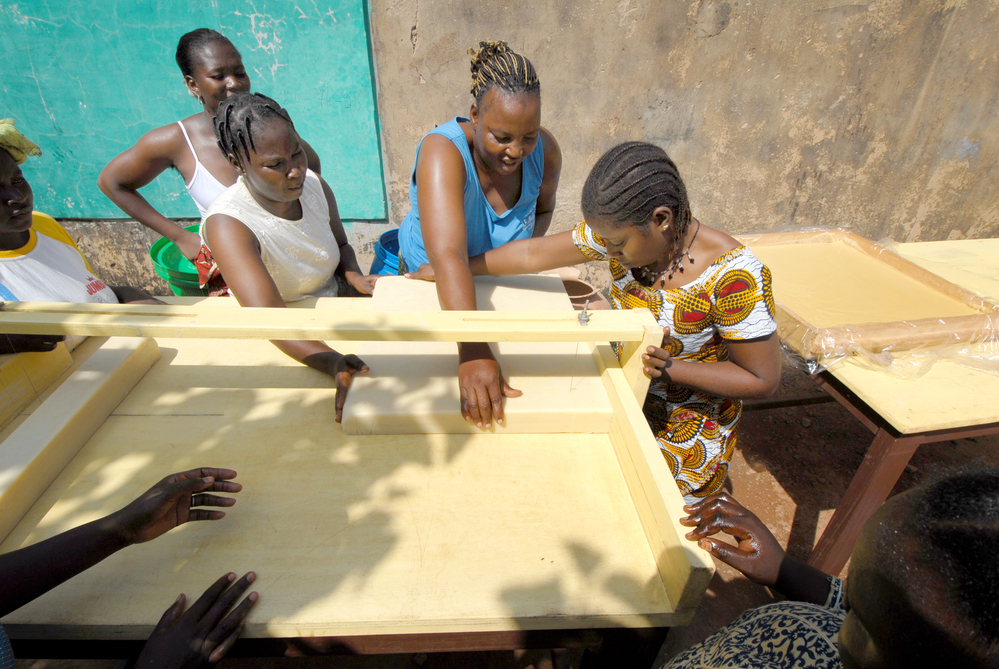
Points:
[(630, 182), (235, 117), (496, 64), (193, 41)]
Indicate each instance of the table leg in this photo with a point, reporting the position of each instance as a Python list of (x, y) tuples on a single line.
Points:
[(870, 487), (626, 648)]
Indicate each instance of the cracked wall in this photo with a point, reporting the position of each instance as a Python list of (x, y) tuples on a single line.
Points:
[(787, 114)]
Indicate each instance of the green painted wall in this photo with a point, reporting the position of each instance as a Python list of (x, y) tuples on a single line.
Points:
[(86, 79)]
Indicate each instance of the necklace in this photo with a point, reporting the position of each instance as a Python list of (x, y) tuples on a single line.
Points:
[(649, 278)]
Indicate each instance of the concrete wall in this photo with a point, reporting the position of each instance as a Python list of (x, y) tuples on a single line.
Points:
[(785, 114), (789, 113)]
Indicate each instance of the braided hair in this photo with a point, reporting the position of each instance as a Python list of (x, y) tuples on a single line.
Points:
[(236, 117), (496, 64), (194, 41), (631, 181)]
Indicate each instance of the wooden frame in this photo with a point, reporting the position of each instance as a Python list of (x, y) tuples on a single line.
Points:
[(635, 327), (821, 343), (683, 568)]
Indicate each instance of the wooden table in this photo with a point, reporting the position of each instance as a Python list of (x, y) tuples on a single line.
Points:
[(951, 401), (396, 543)]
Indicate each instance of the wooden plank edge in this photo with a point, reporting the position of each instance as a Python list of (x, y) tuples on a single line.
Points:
[(279, 630), (920, 274), (684, 567), (199, 321), (631, 356), (40, 448)]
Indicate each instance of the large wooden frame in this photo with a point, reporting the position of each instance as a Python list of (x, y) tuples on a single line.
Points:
[(682, 569), (814, 342)]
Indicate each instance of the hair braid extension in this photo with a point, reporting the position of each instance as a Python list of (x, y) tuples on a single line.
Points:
[(496, 64), (235, 117)]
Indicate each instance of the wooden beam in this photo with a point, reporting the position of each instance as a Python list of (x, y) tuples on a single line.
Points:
[(211, 322), (684, 568), (38, 450)]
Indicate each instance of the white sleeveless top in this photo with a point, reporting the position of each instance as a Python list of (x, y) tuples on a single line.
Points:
[(203, 187), (301, 255)]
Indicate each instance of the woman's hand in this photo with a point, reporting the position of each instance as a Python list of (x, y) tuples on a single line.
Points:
[(424, 272), (175, 501), (655, 359), (188, 243), (199, 637), (363, 283), (343, 371), (758, 554), (481, 385)]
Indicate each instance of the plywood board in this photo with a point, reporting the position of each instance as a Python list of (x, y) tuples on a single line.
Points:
[(836, 290), (34, 454), (413, 386), (348, 534), (970, 263)]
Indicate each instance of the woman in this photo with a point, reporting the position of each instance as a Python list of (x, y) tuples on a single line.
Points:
[(213, 70), (478, 183), (922, 589), (710, 294), (276, 234), (39, 262)]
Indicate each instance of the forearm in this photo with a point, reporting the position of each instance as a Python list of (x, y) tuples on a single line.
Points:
[(801, 582), (314, 354), (136, 206), (724, 379), (527, 256), (542, 221), (348, 261), (29, 573), (130, 295)]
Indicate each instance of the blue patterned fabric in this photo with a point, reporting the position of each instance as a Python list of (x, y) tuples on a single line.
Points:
[(6, 652), (783, 635)]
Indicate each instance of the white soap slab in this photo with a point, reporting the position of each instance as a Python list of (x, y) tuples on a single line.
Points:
[(413, 387)]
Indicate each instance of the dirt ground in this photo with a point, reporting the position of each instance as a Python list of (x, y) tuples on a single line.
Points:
[(792, 466)]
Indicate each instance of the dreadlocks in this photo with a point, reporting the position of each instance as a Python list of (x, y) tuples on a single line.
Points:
[(496, 64), (235, 117)]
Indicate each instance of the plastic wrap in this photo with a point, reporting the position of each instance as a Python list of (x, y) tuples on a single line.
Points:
[(839, 295)]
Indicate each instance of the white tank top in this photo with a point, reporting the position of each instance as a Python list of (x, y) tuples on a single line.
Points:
[(301, 255), (203, 187)]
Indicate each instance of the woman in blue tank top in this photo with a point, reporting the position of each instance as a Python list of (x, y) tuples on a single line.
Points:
[(478, 183)]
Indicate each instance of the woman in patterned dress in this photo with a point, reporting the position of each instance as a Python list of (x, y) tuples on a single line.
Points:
[(711, 295)]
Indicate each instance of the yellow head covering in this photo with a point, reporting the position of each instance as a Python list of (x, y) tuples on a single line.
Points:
[(17, 145)]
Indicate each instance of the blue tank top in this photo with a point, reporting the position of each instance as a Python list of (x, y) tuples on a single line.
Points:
[(485, 228)]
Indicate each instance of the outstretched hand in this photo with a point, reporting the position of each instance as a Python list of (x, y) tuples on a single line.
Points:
[(656, 358), (344, 370), (758, 554), (424, 272), (200, 636), (174, 501)]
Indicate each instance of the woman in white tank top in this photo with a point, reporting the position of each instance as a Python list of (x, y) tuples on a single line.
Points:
[(213, 69), (276, 234)]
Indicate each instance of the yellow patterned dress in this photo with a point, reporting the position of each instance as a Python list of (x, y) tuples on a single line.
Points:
[(732, 299)]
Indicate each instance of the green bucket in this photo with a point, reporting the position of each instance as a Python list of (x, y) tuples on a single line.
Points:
[(179, 272)]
